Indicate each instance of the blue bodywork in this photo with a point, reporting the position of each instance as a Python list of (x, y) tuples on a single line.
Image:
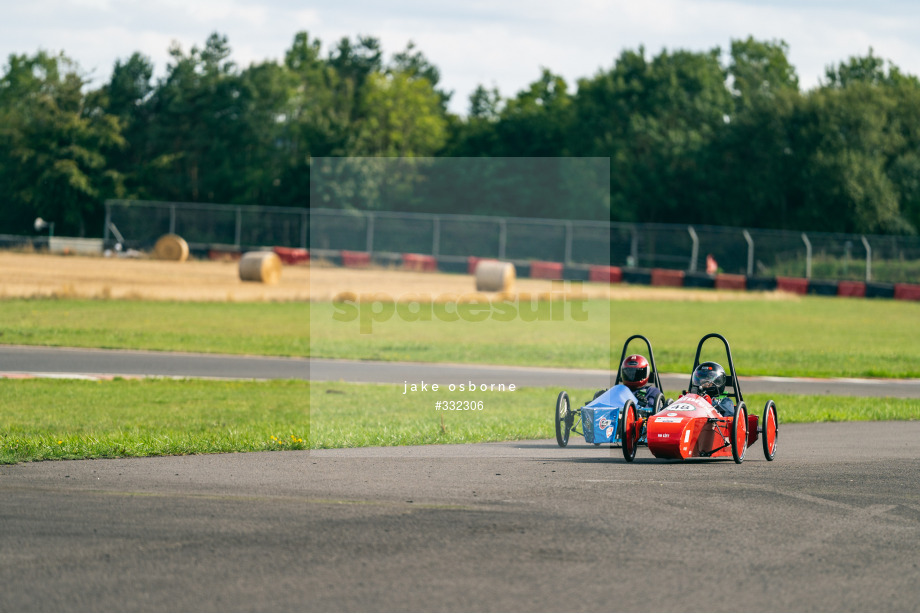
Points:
[(600, 418)]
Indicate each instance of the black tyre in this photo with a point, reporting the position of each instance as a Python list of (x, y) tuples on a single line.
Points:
[(659, 403), (629, 432), (770, 430), (739, 435), (563, 419)]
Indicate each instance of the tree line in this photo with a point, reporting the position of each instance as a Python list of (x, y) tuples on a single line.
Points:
[(691, 137)]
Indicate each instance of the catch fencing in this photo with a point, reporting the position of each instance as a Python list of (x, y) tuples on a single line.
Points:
[(575, 243)]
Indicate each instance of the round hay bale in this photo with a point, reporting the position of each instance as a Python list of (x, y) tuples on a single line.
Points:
[(494, 276), (171, 247), (260, 266)]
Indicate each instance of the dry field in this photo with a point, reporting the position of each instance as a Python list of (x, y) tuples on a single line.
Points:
[(49, 275), (46, 275)]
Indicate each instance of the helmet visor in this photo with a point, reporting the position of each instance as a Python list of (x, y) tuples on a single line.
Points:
[(635, 374), (707, 378)]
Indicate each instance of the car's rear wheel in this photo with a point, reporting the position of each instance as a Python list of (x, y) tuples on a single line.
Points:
[(629, 432), (738, 436), (770, 430), (563, 419)]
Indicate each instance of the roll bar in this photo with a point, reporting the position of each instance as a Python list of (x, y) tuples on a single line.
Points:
[(731, 377), (651, 360)]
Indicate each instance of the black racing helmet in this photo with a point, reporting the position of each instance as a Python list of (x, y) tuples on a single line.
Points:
[(709, 378)]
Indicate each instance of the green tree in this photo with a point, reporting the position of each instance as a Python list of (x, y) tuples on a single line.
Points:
[(656, 120), (413, 62), (536, 121), (126, 97), (402, 116), (51, 147), (757, 149), (352, 64), (317, 119), (851, 135), (475, 135), (198, 133)]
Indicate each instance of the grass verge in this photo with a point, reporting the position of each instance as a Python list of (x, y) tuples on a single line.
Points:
[(55, 419), (270, 329), (815, 336), (66, 419)]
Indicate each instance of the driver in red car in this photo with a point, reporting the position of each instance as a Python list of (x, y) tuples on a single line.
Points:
[(709, 382), (635, 373)]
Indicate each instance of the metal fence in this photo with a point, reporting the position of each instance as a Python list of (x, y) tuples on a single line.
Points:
[(205, 226), (751, 252)]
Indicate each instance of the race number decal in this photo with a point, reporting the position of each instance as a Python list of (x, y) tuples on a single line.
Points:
[(689, 403)]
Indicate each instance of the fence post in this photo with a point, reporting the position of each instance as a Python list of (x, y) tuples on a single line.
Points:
[(172, 219), (502, 237), (304, 226), (868, 247), (695, 250), (238, 235), (750, 262), (568, 242), (370, 232), (108, 221), (436, 238), (634, 247), (807, 256)]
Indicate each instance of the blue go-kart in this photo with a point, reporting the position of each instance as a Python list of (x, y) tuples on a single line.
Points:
[(601, 420)]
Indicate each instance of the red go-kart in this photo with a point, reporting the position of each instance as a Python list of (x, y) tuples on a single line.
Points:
[(690, 426)]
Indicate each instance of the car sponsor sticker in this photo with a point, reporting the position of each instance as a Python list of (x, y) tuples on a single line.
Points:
[(672, 414), (668, 420), (603, 423), (609, 431)]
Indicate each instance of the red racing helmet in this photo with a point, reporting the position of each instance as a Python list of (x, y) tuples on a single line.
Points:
[(635, 371)]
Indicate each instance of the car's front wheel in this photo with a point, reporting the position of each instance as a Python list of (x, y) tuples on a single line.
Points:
[(563, 419), (738, 436)]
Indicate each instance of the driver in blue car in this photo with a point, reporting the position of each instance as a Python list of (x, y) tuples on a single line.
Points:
[(635, 373), (709, 382)]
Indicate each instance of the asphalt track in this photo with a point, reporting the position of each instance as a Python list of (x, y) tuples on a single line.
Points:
[(833, 524), (52, 361)]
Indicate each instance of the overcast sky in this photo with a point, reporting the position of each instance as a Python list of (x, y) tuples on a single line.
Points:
[(494, 43)]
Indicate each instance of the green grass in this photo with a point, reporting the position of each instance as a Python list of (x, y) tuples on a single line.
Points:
[(56, 419), (67, 419), (341, 417), (274, 329), (815, 336)]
